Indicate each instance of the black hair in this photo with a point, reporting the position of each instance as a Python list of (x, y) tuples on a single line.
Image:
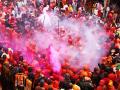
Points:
[(21, 58), (20, 70), (50, 88), (42, 83), (49, 81), (4, 57), (30, 69), (73, 81)]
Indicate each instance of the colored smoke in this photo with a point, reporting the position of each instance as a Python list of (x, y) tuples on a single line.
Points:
[(87, 35)]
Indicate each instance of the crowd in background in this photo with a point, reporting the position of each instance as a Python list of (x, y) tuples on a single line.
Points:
[(20, 16)]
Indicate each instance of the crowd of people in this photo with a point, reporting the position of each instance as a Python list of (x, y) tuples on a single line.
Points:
[(19, 17)]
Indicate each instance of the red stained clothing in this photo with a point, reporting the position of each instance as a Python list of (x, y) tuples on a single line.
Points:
[(112, 76)]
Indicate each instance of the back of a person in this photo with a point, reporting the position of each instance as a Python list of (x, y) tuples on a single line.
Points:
[(39, 88), (76, 87), (119, 86), (28, 84), (86, 85), (20, 81), (101, 88)]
